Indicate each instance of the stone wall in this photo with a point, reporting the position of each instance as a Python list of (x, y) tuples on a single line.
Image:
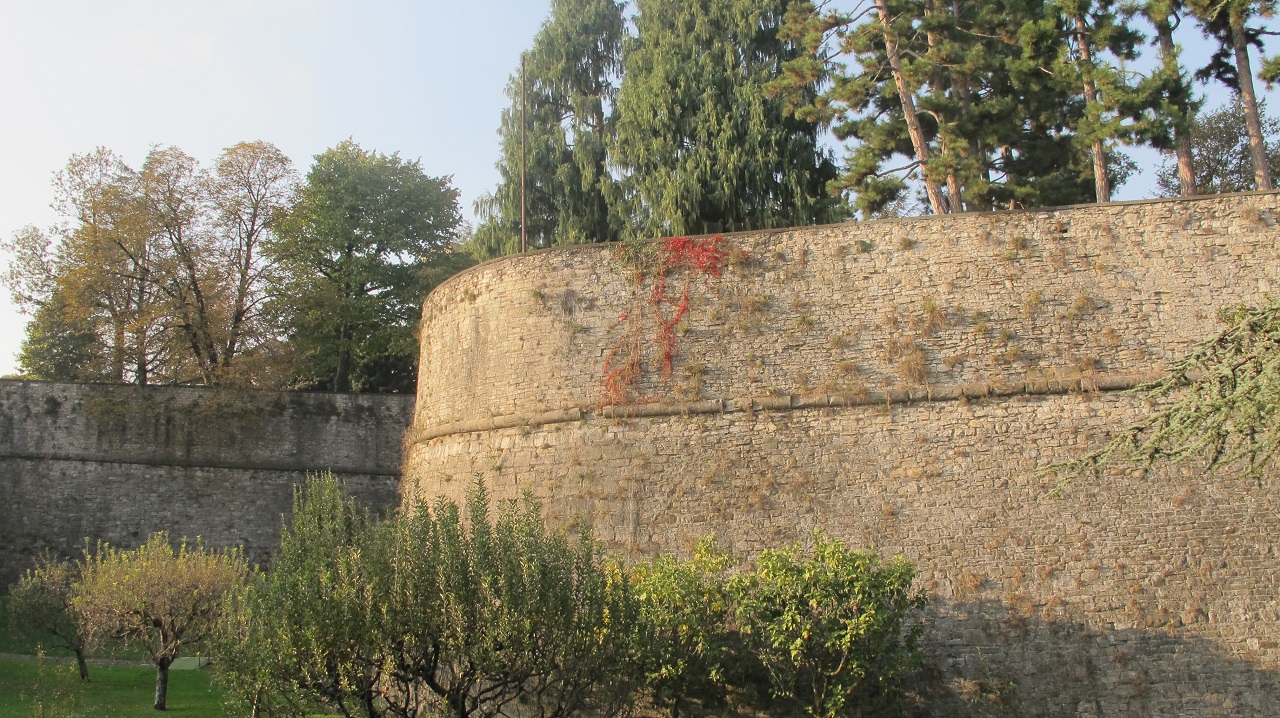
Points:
[(899, 383), (116, 462)]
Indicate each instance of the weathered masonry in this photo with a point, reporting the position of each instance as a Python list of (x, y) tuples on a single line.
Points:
[(899, 383), (116, 463)]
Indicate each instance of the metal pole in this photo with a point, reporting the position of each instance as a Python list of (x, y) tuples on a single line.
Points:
[(523, 245)]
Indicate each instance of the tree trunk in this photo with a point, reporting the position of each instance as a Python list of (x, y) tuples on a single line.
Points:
[(1249, 100), (118, 350), (342, 372), (82, 664), (909, 110), (953, 181), (162, 682), (140, 358), (1101, 185), (1181, 129), (976, 151)]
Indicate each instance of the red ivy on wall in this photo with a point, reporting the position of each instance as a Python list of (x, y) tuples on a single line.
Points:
[(655, 268)]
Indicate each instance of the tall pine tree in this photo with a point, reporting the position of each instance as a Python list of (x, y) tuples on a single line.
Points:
[(1228, 22), (564, 101), (1177, 102), (701, 147)]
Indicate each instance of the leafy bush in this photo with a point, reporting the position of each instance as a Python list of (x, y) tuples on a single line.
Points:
[(475, 612), (834, 629), (431, 611)]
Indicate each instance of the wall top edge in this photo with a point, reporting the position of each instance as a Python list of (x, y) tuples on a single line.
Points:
[(893, 221), (198, 390)]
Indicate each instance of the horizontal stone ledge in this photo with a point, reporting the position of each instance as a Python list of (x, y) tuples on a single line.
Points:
[(508, 421), (954, 392)]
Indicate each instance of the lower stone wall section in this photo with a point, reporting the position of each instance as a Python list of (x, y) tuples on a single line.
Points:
[(116, 463), (1122, 595), (57, 505)]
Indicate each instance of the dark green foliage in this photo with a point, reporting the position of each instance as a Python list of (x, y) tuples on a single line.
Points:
[(307, 631), (1218, 404), (431, 611), (569, 84), (702, 148), (1216, 18), (369, 237), (686, 143), (1009, 111), (1220, 146), (473, 612), (58, 347)]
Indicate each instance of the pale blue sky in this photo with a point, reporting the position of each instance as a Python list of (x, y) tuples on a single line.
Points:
[(423, 78)]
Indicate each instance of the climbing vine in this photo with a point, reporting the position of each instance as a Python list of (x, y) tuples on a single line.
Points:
[(660, 276)]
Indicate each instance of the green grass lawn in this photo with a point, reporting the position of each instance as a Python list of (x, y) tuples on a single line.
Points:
[(52, 689), (49, 689)]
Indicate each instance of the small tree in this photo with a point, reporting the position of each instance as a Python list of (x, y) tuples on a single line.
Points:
[(686, 612), (833, 628), (307, 631), (41, 602), (155, 597)]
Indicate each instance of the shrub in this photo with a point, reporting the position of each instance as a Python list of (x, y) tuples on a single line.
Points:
[(432, 611), (832, 628)]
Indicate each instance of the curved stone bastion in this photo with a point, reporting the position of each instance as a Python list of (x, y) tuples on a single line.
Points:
[(898, 383)]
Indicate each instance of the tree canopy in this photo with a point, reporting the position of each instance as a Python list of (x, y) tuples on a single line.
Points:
[(368, 238), (484, 611), (563, 98), (155, 275), (663, 130), (972, 105), (156, 597), (236, 274), (439, 610), (1223, 158)]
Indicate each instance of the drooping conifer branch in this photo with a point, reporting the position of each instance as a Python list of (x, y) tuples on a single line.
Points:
[(1220, 403)]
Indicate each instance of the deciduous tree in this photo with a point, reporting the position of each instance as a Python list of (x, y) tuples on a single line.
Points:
[(1223, 159), (370, 235), (161, 265), (41, 602), (435, 611), (155, 597)]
